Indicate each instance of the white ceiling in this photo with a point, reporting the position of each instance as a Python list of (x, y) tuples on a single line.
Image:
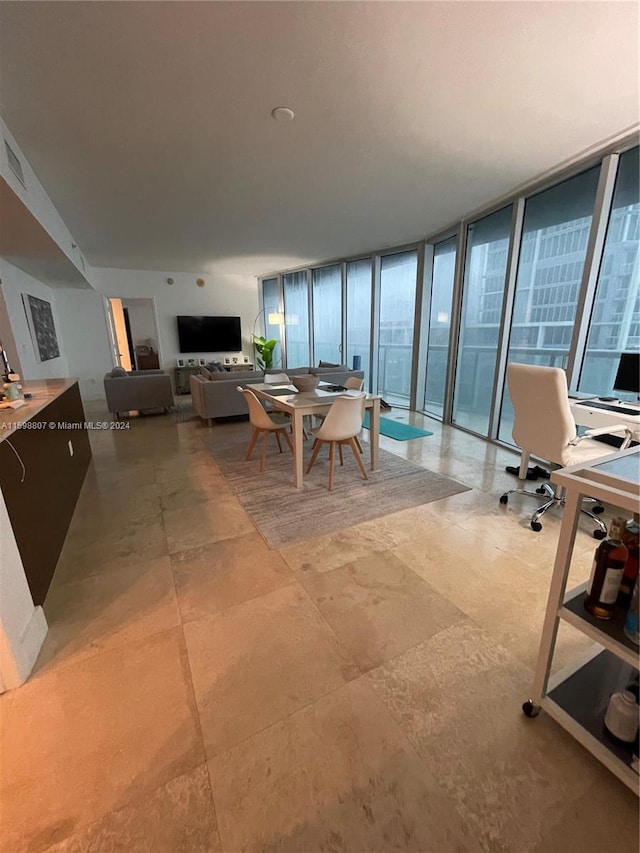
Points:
[(149, 123)]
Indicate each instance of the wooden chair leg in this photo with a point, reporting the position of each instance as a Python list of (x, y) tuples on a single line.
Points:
[(358, 445), (314, 455), (277, 432), (288, 440), (264, 449), (353, 444), (252, 443), (340, 452), (332, 454)]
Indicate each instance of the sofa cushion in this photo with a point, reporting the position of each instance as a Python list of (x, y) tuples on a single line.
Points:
[(118, 371), (319, 371), (227, 375)]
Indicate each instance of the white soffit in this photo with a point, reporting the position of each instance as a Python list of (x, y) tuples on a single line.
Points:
[(149, 124)]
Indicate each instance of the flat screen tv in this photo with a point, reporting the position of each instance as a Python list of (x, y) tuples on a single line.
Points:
[(209, 334)]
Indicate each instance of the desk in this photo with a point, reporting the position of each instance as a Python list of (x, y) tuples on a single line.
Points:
[(589, 416), (310, 403)]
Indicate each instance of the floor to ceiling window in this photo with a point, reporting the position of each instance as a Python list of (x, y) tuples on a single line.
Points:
[(296, 307), (615, 318), (327, 314), (444, 263), (359, 314), (395, 338), (554, 244), (483, 293), (271, 305)]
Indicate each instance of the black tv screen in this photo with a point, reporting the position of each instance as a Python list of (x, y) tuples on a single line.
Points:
[(628, 375), (209, 334)]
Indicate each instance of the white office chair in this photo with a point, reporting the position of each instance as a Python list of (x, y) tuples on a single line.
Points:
[(354, 384), (265, 424), (341, 425), (544, 427)]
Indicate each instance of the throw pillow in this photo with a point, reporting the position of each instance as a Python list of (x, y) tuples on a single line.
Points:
[(118, 371), (327, 364)]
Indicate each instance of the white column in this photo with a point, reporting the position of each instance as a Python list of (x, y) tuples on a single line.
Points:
[(23, 626)]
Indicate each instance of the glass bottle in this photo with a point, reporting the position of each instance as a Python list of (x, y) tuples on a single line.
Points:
[(631, 622), (606, 573), (631, 538)]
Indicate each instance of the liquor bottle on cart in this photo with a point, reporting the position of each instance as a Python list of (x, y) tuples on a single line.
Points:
[(606, 574)]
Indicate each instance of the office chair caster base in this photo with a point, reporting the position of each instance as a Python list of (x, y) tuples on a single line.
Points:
[(597, 509), (535, 525), (541, 490), (530, 709), (504, 499), (599, 534)]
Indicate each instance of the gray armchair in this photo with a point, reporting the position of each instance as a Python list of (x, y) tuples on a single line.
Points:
[(138, 389)]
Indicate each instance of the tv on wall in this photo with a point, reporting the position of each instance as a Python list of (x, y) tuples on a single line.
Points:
[(209, 334)]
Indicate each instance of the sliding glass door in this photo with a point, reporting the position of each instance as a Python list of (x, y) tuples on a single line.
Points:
[(395, 342), (552, 254), (271, 305), (615, 319), (296, 307), (444, 264), (359, 314), (327, 314), (483, 293)]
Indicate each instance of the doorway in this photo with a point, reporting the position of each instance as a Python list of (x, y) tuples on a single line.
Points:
[(133, 332)]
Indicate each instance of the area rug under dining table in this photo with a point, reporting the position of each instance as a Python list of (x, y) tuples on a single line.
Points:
[(284, 514)]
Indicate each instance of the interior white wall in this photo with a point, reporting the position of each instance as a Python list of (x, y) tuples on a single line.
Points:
[(223, 294), (15, 282), (83, 326)]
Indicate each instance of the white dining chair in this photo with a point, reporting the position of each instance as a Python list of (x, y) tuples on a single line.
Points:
[(341, 425), (264, 424), (351, 384)]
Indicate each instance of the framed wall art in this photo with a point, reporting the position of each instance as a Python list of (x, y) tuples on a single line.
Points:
[(41, 327)]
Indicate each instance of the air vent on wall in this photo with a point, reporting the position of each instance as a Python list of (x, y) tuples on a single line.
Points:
[(14, 164)]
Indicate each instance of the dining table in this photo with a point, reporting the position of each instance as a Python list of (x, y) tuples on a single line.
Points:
[(299, 404)]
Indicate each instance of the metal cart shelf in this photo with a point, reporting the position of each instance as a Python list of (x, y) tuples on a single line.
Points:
[(577, 697)]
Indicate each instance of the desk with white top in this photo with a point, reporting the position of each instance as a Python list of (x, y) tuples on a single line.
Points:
[(299, 404), (586, 414)]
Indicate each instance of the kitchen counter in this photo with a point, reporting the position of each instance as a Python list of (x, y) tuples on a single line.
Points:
[(44, 455)]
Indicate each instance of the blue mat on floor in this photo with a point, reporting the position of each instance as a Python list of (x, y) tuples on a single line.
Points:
[(396, 429)]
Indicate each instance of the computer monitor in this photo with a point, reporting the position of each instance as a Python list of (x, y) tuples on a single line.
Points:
[(628, 375)]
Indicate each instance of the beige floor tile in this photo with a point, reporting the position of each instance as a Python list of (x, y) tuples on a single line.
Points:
[(378, 607), (255, 663), (336, 776), (196, 488), (132, 545), (178, 817), (603, 819), (212, 521), (107, 610), (86, 739), (458, 698), (174, 466), (214, 577)]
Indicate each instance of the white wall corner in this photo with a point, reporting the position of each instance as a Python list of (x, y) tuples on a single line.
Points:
[(17, 658), (23, 626)]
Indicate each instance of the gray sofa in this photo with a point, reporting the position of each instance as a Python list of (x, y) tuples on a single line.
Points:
[(137, 389), (218, 397)]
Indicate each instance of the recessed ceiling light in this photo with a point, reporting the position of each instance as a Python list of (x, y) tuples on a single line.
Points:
[(282, 114)]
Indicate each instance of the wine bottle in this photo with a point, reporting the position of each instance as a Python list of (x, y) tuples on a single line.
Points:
[(631, 538), (606, 573)]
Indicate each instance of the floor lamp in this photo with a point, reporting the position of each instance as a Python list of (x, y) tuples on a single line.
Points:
[(275, 318)]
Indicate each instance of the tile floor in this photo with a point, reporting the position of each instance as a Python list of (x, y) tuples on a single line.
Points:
[(361, 691)]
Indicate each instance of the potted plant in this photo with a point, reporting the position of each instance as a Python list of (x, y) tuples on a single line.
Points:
[(264, 352)]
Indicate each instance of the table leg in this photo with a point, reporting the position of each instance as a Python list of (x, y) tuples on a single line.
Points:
[(374, 434), (298, 445)]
